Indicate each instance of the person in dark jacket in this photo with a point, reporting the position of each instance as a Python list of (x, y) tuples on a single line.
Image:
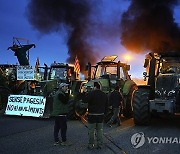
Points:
[(115, 99), (60, 110), (97, 106)]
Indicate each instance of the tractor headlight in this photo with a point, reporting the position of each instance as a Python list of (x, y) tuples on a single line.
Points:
[(171, 93), (158, 94)]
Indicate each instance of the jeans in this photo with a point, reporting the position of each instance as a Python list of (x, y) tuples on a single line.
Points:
[(95, 128), (115, 116), (60, 124)]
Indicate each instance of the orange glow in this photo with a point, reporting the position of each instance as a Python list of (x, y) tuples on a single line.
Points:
[(128, 58), (139, 81)]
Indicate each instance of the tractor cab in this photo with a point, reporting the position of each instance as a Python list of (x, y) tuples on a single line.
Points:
[(63, 72), (109, 68), (169, 65), (111, 73), (54, 75)]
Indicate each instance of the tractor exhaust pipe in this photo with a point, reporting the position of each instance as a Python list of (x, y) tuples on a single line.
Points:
[(151, 80)]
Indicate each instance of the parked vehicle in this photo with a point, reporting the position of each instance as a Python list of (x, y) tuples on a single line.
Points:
[(109, 74), (161, 95)]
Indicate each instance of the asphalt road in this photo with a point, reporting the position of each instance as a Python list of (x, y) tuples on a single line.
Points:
[(19, 135)]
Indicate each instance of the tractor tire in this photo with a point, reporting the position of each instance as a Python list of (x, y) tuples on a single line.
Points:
[(128, 110), (141, 108)]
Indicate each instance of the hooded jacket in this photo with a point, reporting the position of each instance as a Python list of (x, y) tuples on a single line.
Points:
[(115, 99), (60, 103), (97, 102)]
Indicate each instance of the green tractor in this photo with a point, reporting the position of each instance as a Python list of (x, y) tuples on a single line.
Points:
[(54, 75), (109, 74), (161, 95)]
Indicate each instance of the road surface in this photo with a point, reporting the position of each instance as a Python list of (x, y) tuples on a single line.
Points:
[(19, 135)]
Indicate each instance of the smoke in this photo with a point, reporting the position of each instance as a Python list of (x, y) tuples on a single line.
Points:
[(150, 25), (53, 15)]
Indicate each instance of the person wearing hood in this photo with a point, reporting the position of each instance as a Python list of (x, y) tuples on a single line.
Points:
[(60, 110), (115, 100)]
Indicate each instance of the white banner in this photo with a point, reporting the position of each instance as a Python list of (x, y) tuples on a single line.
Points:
[(26, 105), (25, 73)]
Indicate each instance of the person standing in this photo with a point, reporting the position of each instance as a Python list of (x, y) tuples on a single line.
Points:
[(115, 99), (97, 106), (60, 110)]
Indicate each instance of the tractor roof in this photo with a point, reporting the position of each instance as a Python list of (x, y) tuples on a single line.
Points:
[(110, 61), (109, 58), (62, 65), (171, 56), (107, 63)]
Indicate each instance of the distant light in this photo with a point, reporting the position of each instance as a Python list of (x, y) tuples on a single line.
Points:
[(82, 76), (128, 58)]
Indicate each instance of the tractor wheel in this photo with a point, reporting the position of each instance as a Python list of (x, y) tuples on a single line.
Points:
[(128, 109), (141, 108)]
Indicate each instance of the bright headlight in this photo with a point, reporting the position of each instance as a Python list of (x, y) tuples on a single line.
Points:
[(171, 93)]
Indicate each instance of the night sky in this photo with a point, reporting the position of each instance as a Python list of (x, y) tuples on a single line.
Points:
[(97, 30)]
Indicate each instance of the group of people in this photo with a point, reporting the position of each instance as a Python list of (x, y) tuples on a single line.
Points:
[(98, 103)]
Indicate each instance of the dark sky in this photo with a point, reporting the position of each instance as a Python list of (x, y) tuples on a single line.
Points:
[(102, 33)]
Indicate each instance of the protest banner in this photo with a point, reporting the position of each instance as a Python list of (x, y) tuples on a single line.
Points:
[(26, 105), (25, 73)]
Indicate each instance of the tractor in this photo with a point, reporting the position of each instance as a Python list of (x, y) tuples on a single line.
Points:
[(109, 74), (54, 75), (161, 95)]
